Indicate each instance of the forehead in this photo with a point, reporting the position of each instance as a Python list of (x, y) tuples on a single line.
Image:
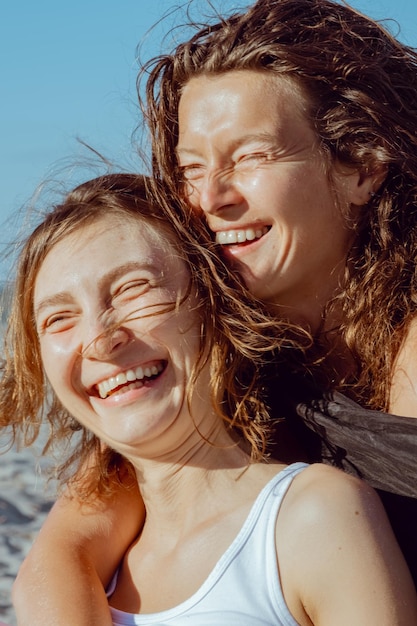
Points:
[(107, 243), (141, 232), (265, 95), (241, 103)]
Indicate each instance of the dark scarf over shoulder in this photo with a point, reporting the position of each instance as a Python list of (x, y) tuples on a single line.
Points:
[(375, 446)]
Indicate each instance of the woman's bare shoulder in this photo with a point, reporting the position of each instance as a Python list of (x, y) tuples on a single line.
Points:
[(403, 395), (326, 511), (322, 491), (338, 555)]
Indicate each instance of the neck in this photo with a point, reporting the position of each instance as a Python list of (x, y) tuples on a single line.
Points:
[(307, 306), (324, 349), (171, 485)]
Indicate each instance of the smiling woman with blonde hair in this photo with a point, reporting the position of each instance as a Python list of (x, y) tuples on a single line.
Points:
[(125, 328)]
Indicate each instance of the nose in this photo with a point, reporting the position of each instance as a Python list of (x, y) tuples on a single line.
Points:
[(106, 344), (217, 191)]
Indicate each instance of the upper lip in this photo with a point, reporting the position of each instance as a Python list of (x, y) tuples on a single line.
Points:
[(123, 376), (240, 234)]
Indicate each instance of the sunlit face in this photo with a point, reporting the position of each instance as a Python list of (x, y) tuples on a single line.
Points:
[(252, 165), (127, 386)]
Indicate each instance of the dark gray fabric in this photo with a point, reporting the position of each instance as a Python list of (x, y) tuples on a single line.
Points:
[(376, 446)]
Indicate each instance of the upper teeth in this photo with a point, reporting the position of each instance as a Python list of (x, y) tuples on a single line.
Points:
[(240, 236), (139, 373)]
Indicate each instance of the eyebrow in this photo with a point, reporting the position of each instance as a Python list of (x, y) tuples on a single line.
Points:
[(265, 137), (130, 266), (63, 297), (58, 298)]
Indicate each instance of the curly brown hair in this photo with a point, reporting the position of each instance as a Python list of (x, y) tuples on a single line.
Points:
[(361, 85), (235, 334)]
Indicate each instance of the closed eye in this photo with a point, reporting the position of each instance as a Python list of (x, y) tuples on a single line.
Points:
[(255, 157), (132, 289), (138, 298), (192, 172), (57, 322)]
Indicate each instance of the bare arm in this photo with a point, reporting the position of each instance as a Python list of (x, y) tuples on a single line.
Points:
[(339, 559), (74, 556)]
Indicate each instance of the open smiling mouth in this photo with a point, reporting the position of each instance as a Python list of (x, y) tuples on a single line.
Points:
[(244, 235), (130, 379)]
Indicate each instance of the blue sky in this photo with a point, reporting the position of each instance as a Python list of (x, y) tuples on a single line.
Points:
[(68, 70)]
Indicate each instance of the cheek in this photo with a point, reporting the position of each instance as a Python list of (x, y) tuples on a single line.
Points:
[(192, 195), (182, 334), (270, 190), (191, 348), (58, 361)]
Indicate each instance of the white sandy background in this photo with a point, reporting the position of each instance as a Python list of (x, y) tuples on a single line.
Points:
[(24, 502)]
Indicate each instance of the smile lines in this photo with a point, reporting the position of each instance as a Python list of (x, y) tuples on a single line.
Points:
[(106, 387), (227, 237)]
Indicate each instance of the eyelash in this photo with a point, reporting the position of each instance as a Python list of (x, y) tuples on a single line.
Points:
[(261, 156), (191, 172), (54, 320), (139, 287)]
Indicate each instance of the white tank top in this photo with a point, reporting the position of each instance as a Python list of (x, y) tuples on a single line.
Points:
[(244, 587)]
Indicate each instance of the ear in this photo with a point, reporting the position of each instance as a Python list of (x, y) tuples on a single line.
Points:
[(363, 185)]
